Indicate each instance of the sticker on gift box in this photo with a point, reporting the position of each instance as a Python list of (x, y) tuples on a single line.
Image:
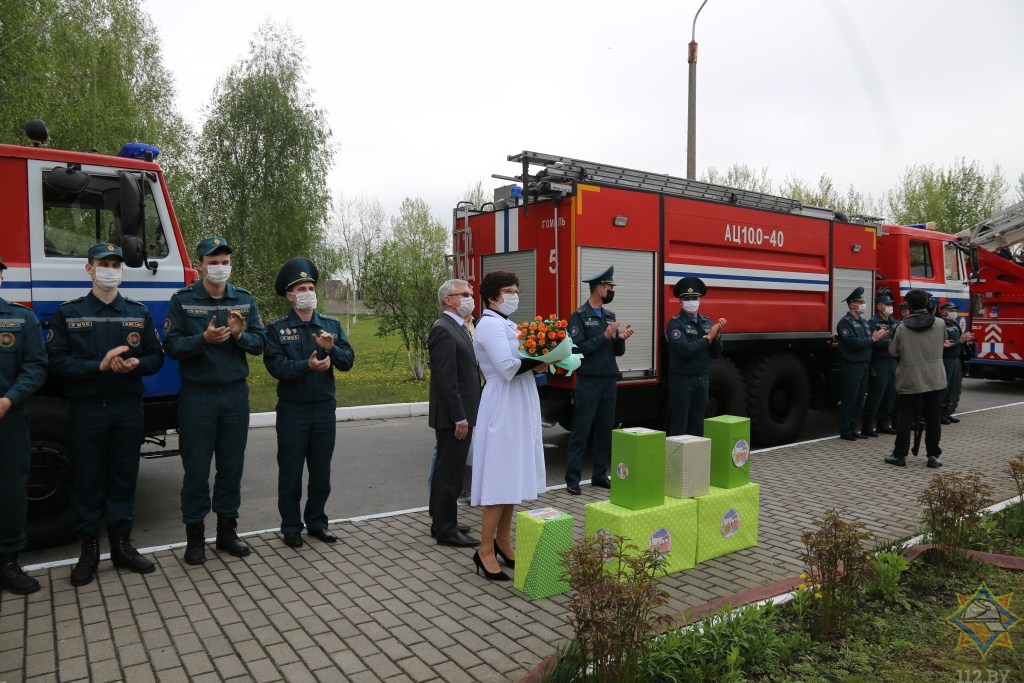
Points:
[(600, 538), (545, 513), (661, 541), (622, 470), (639, 430), (730, 523), (740, 453)]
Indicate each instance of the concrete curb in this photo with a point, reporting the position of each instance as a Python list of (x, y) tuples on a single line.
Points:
[(386, 411)]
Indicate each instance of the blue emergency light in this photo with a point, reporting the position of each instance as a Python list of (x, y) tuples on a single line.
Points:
[(139, 150)]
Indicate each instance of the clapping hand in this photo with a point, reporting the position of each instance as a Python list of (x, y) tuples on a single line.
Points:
[(236, 323), (215, 334), (325, 341), (319, 364), (111, 356)]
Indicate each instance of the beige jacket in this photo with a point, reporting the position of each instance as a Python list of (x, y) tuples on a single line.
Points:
[(917, 343)]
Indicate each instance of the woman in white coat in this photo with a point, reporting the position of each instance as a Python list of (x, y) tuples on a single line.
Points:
[(508, 451)]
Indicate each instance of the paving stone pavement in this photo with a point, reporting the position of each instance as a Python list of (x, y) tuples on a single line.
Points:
[(386, 604)]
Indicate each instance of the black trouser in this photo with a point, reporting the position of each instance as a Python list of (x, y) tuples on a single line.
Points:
[(855, 389), (688, 404), (14, 465), (306, 433), (931, 402), (595, 412), (446, 481), (105, 453)]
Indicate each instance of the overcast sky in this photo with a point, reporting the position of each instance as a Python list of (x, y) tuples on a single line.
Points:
[(426, 98)]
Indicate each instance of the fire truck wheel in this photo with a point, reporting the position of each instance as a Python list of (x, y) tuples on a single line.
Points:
[(779, 396), (727, 394), (50, 513)]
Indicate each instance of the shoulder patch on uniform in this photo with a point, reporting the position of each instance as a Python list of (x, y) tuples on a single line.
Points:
[(329, 317), (133, 301), (676, 333), (845, 331), (15, 303), (242, 289), (277, 320), (74, 301)]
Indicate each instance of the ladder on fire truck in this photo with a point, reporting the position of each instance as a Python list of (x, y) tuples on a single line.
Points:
[(1002, 230), (560, 170)]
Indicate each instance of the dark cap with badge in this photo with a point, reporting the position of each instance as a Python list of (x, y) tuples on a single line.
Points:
[(105, 250), (605, 277), (855, 295), (212, 245), (293, 272), (883, 299), (949, 306), (689, 286)]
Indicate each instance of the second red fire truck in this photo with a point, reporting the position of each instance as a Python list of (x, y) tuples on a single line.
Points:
[(778, 270)]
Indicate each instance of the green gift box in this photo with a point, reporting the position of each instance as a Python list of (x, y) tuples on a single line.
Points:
[(730, 450), (541, 536), (670, 528), (727, 520), (687, 466), (638, 468)]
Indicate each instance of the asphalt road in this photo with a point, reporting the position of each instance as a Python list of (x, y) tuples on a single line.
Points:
[(380, 466)]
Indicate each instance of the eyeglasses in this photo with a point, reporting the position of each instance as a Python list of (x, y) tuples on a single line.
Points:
[(462, 295)]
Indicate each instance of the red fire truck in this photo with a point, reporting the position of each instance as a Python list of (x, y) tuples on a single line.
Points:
[(778, 270), (54, 205), (996, 248)]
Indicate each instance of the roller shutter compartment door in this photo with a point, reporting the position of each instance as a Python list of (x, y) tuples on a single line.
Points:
[(524, 265)]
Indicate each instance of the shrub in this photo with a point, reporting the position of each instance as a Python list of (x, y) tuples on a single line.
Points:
[(837, 562), (953, 505), (613, 606), (884, 582)]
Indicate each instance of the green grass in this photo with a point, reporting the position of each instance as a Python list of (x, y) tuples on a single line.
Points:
[(380, 373)]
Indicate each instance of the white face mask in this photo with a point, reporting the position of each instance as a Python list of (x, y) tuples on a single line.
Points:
[(218, 274), (951, 315), (691, 306), (305, 301), (888, 310), (509, 304), (468, 304), (107, 278), (862, 309)]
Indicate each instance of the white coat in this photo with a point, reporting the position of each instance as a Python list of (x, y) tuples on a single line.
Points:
[(508, 447)]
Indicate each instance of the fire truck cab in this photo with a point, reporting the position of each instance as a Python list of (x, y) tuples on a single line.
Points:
[(776, 269), (54, 205)]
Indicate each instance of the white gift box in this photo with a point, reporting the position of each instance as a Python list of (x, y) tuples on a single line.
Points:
[(687, 466)]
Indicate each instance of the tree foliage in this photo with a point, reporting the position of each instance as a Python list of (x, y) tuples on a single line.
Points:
[(261, 167), (402, 276), (93, 72), (359, 226), (955, 198), (742, 177)]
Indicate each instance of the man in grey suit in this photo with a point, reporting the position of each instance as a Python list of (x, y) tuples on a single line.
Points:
[(454, 400)]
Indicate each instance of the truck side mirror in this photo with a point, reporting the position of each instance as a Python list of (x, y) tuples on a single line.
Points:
[(130, 206), (974, 263), (131, 248)]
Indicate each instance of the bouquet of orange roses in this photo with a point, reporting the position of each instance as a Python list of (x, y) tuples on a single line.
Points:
[(546, 338)]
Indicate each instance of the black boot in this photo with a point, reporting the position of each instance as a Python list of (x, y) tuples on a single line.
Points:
[(13, 578), (885, 426), (85, 570), (868, 427), (228, 540), (195, 548), (123, 554), (897, 460)]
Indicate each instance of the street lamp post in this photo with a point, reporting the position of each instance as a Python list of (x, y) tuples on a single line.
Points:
[(691, 117)]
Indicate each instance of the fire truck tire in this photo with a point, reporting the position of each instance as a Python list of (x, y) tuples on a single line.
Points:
[(779, 395), (727, 394), (50, 512)]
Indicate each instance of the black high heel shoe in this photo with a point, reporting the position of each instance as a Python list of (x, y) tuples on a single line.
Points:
[(491, 576), (511, 564)]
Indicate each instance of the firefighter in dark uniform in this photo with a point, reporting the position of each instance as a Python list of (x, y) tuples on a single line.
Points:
[(880, 406), (102, 345), (951, 358), (693, 340), (22, 373), (855, 344), (600, 338), (302, 349), (210, 326)]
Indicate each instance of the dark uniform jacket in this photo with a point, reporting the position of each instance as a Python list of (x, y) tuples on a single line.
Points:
[(22, 353), (85, 329), (880, 351), (953, 333), (587, 331), (290, 344), (689, 354), (188, 314), (854, 337)]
